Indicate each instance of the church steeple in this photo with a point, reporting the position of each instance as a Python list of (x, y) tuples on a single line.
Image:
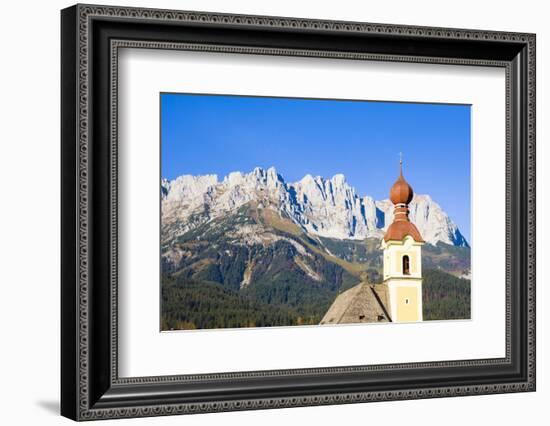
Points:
[(401, 194), (403, 256)]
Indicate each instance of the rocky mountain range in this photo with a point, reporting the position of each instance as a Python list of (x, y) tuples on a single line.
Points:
[(255, 250), (329, 208)]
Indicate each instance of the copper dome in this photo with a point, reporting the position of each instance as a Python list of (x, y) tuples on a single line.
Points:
[(400, 229), (401, 192)]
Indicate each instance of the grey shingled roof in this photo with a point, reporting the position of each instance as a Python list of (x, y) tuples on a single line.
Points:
[(360, 304)]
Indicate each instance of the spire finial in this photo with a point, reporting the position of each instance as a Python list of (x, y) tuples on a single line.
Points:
[(401, 164)]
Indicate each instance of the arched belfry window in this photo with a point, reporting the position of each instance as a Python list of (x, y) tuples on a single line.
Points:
[(406, 265)]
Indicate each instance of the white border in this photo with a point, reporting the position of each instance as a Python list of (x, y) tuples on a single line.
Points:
[(143, 351)]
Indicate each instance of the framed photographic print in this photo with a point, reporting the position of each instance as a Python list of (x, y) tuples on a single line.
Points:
[(263, 212)]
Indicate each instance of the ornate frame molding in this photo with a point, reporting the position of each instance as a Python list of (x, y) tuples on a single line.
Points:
[(88, 404)]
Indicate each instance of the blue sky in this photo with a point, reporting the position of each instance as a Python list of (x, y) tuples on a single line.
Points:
[(211, 134)]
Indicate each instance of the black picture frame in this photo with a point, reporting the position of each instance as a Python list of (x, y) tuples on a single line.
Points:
[(90, 386)]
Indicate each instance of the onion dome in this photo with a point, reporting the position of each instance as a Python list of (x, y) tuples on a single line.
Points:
[(401, 194)]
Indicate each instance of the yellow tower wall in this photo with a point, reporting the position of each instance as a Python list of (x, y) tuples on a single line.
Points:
[(405, 290)]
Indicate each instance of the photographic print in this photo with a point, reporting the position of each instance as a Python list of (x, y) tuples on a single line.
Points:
[(312, 212)]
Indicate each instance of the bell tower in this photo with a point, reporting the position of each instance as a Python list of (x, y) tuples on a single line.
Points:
[(402, 245)]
